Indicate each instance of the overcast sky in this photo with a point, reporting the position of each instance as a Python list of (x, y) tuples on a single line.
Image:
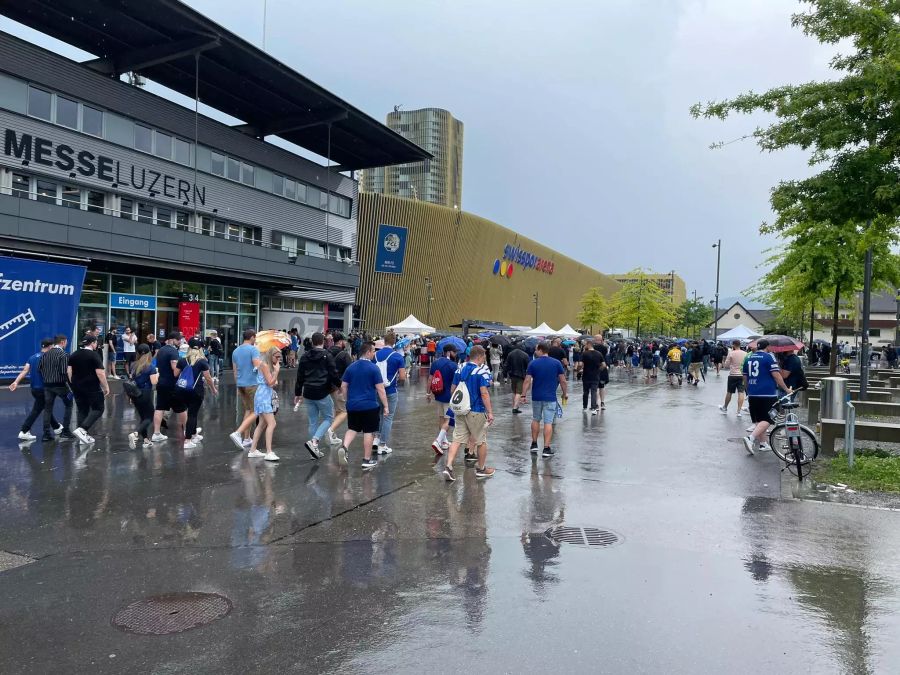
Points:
[(577, 131)]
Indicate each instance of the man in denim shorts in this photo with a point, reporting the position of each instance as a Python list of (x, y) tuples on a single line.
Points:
[(544, 375)]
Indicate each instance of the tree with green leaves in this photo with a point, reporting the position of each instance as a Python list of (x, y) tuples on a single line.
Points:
[(690, 316), (641, 303), (594, 310), (851, 126)]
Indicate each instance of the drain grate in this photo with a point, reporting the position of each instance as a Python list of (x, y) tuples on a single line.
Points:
[(171, 613), (583, 536)]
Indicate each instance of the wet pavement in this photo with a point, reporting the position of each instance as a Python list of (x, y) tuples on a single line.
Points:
[(393, 570)]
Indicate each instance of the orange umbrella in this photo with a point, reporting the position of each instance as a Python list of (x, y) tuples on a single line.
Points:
[(266, 339)]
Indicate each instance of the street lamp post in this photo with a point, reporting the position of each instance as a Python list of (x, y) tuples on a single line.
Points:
[(428, 298), (718, 247), (537, 305)]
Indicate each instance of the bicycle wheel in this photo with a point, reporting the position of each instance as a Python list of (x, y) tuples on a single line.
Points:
[(780, 445)]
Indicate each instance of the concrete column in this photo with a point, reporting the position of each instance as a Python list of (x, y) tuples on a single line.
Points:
[(348, 319)]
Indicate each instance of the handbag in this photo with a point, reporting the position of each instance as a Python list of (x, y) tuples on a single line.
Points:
[(275, 401), (131, 389)]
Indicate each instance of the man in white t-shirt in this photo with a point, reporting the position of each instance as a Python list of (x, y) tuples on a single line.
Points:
[(734, 362), (129, 340)]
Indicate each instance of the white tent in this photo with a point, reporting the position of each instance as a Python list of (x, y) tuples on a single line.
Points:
[(411, 325), (568, 332), (740, 332), (542, 331)]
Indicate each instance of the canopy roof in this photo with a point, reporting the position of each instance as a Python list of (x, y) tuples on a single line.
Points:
[(568, 331), (542, 330), (411, 325), (160, 39), (740, 332)]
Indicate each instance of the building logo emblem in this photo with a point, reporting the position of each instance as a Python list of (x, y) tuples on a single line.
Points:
[(392, 243)]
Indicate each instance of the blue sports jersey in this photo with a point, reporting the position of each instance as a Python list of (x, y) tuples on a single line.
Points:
[(758, 369)]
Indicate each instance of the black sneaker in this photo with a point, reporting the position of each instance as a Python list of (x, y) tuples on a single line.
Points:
[(448, 474), (534, 448), (470, 459), (369, 463), (547, 453), (48, 437), (516, 411), (67, 434), (602, 406)]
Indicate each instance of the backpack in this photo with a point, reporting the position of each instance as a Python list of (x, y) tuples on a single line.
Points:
[(437, 383), (184, 379), (460, 403), (383, 367)]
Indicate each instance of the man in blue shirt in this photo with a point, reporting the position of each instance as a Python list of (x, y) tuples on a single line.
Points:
[(363, 388), (245, 361), (393, 370), (762, 380), (544, 375), (32, 370), (471, 428), (446, 366)]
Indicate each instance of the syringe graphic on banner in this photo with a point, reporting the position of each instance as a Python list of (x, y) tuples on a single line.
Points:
[(18, 322)]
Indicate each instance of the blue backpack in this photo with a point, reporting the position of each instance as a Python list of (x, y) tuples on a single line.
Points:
[(186, 378)]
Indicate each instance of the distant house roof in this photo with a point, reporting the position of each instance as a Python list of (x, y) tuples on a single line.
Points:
[(762, 316)]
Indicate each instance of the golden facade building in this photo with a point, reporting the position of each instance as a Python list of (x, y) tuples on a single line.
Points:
[(672, 284), (437, 180), (445, 265)]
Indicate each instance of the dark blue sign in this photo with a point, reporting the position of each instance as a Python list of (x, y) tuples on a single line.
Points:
[(390, 249), (37, 300)]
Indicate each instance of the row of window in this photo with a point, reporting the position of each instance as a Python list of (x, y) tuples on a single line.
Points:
[(292, 305), (48, 191), (100, 282), (58, 109)]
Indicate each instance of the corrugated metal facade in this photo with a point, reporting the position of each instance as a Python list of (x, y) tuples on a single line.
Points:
[(457, 251)]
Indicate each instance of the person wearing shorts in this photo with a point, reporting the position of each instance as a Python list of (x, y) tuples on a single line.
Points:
[(363, 388), (544, 374), (673, 365), (516, 367), (245, 361), (734, 362), (762, 380), (166, 396), (470, 428)]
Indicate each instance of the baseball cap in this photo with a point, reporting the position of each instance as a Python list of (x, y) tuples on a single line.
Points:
[(175, 335), (761, 344), (194, 343)]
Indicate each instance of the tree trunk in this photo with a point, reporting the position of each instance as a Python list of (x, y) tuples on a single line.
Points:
[(832, 362), (812, 322)]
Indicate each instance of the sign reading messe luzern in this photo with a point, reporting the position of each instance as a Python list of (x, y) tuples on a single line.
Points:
[(37, 300)]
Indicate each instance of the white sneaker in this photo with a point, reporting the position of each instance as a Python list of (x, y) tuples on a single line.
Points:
[(147, 443), (82, 435), (384, 450), (333, 439), (595, 411), (376, 443), (445, 446), (723, 409), (749, 444), (196, 438), (270, 457), (342, 456), (237, 440), (133, 439), (765, 447), (91, 439), (156, 438), (246, 443), (27, 436), (190, 444), (58, 430), (253, 454), (750, 429), (312, 445), (740, 414)]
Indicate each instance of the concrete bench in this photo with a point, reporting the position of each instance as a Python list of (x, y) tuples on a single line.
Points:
[(851, 380), (862, 408), (863, 431)]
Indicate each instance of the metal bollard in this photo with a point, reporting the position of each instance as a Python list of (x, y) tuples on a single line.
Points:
[(850, 433)]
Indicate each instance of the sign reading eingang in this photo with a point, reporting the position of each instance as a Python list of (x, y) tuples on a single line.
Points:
[(527, 260), (37, 300), (127, 301), (390, 249)]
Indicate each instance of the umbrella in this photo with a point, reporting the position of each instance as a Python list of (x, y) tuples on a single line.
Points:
[(500, 340), (530, 343), (567, 343), (779, 343), (451, 340), (681, 341)]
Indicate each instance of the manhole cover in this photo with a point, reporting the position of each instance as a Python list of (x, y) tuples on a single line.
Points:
[(583, 536), (171, 613)]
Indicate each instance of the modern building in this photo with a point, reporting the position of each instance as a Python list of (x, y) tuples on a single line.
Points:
[(445, 265), (163, 205), (671, 283), (437, 180)]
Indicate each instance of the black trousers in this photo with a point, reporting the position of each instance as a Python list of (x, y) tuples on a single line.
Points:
[(90, 408), (36, 409), (194, 403), (144, 406), (51, 393), (590, 389)]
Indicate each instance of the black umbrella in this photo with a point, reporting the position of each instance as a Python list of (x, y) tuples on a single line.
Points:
[(500, 340)]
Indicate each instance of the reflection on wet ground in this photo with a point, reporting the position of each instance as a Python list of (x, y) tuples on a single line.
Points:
[(393, 570)]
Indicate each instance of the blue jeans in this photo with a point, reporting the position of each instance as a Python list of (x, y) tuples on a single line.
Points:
[(215, 365), (543, 411), (387, 423), (321, 415)]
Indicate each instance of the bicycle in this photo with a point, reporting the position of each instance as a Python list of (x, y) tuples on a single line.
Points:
[(793, 443)]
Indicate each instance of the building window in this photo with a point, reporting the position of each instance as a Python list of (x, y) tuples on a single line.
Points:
[(21, 186), (182, 152), (145, 213), (126, 208), (218, 164), (737, 315), (290, 188), (323, 201), (301, 192), (163, 145), (312, 196), (95, 201), (46, 191), (219, 230), (39, 103), (91, 120), (247, 177), (66, 112), (143, 138), (278, 184), (182, 220), (233, 168), (163, 217), (71, 197), (234, 232)]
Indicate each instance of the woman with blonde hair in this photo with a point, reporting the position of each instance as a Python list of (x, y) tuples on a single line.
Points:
[(265, 403), (144, 376), (195, 390)]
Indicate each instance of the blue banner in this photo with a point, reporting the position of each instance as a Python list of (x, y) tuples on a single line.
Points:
[(390, 249), (127, 301), (37, 300)]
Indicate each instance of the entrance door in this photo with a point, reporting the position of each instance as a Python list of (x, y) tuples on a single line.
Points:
[(226, 326), (141, 321)]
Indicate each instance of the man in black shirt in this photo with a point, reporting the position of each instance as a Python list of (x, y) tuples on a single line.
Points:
[(112, 344), (516, 366), (342, 361), (166, 398), (593, 377), (53, 367), (557, 352), (89, 385)]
